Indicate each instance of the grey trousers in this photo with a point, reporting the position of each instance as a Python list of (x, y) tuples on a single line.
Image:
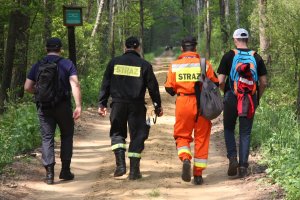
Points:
[(49, 118)]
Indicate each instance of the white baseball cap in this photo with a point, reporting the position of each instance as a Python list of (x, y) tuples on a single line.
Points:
[(240, 33)]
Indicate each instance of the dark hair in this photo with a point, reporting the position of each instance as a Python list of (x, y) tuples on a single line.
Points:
[(242, 40), (189, 48), (132, 42), (53, 50)]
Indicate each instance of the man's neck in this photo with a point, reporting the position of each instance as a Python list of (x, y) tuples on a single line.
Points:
[(241, 46), (53, 54)]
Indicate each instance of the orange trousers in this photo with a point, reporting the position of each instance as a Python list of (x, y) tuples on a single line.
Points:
[(185, 125)]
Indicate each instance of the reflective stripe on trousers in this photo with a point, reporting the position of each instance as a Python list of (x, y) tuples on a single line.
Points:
[(201, 163), (117, 146), (184, 149), (134, 155)]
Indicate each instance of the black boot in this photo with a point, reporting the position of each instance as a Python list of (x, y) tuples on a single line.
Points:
[(135, 169), (198, 180), (49, 174), (186, 171), (120, 162), (233, 166), (65, 172)]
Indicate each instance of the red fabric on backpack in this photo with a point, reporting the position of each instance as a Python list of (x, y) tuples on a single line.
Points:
[(245, 88)]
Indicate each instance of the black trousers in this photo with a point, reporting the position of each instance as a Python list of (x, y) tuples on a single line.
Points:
[(49, 118), (135, 115)]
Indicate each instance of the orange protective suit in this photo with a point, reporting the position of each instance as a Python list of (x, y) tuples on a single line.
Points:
[(182, 76)]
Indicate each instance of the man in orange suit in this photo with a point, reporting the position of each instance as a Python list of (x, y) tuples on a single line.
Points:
[(182, 79)]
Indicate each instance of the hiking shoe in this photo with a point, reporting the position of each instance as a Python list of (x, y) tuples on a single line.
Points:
[(233, 165), (66, 175), (198, 180), (49, 179), (186, 171), (243, 172)]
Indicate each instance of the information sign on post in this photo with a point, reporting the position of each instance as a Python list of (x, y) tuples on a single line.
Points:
[(72, 17)]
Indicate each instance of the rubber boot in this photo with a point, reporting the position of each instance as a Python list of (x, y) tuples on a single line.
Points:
[(186, 171), (65, 172), (49, 174), (135, 169), (120, 162), (198, 180)]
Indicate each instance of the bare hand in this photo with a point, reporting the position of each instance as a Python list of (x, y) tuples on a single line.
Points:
[(77, 112), (102, 111)]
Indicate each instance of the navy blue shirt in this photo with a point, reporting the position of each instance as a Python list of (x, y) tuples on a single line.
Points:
[(66, 69)]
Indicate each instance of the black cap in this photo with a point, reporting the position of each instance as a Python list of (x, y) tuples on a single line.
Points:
[(189, 41), (53, 43), (132, 42)]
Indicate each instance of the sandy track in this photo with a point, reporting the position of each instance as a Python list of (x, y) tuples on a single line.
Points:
[(93, 165)]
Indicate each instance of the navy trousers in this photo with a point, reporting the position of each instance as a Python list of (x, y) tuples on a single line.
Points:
[(230, 115)]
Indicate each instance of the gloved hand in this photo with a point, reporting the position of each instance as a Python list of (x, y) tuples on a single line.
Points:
[(158, 111)]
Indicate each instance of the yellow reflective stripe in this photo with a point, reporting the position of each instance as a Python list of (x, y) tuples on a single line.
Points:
[(184, 149), (177, 67), (120, 145), (126, 70), (202, 163), (134, 155)]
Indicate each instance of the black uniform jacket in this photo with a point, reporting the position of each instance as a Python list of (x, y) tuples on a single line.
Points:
[(126, 79)]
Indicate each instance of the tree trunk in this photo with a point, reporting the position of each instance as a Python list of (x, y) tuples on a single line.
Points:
[(88, 10), (237, 13), (48, 10), (298, 101), (226, 2), (9, 57), (1, 46), (183, 15), (20, 61), (142, 26), (263, 39), (223, 23), (208, 29), (199, 5), (97, 21), (112, 28)]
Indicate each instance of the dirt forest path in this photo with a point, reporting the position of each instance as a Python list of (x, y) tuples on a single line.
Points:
[(93, 165)]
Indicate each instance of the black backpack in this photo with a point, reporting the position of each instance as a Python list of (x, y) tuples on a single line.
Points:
[(48, 91)]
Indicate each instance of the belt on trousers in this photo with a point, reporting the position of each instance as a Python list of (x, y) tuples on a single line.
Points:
[(183, 94)]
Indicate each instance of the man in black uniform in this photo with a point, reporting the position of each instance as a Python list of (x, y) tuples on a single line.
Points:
[(230, 113), (126, 79)]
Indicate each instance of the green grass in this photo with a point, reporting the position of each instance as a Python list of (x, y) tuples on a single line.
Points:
[(19, 131)]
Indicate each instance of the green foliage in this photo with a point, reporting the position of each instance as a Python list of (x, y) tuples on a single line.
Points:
[(276, 131), (19, 131)]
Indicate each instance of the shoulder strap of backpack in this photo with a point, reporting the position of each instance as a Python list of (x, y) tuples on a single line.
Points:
[(203, 66)]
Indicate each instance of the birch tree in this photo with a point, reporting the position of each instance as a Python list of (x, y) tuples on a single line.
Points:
[(237, 13), (97, 21), (141, 26), (208, 29)]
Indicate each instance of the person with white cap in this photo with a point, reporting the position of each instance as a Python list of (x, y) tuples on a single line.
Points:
[(234, 99)]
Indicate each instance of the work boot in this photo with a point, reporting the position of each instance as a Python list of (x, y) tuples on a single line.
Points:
[(186, 170), (243, 172), (135, 169), (120, 162), (65, 172), (233, 165), (49, 179), (198, 180)]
